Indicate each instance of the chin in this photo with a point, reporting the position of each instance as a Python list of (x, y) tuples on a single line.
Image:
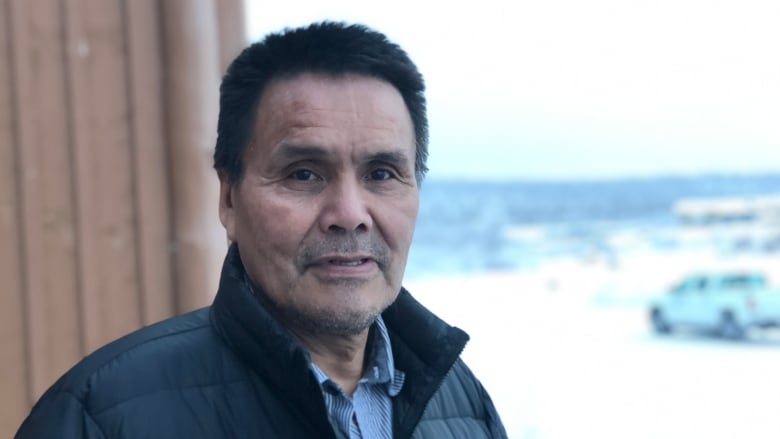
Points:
[(334, 321)]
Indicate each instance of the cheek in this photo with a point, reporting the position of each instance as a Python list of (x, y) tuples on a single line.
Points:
[(276, 227), (270, 233), (409, 211), (401, 224)]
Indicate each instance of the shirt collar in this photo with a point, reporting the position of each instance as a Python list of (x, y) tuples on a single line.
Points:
[(383, 368), (380, 367)]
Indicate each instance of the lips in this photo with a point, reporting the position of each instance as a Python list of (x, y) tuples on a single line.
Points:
[(348, 262), (343, 266), (345, 261)]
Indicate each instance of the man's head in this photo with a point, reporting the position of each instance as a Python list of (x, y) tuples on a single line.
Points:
[(319, 182), (328, 48)]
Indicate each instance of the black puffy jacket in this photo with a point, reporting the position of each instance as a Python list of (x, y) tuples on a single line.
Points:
[(230, 371)]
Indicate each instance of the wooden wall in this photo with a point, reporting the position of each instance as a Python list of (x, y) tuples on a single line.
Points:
[(108, 214)]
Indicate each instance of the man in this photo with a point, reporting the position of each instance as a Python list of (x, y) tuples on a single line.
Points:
[(322, 142)]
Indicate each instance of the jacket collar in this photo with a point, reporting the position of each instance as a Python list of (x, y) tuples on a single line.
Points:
[(425, 348)]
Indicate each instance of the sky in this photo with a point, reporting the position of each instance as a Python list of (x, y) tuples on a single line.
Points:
[(565, 89)]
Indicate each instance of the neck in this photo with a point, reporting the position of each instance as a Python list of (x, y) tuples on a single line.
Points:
[(340, 357)]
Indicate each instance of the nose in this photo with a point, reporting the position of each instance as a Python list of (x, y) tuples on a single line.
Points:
[(345, 208)]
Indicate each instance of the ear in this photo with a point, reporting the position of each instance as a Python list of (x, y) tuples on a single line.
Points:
[(227, 214)]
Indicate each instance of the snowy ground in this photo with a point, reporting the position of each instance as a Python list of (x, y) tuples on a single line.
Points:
[(565, 355)]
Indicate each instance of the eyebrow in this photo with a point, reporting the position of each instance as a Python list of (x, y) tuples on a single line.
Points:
[(393, 157), (291, 152)]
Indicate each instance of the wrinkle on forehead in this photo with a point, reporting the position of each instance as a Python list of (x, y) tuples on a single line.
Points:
[(305, 99), (292, 107)]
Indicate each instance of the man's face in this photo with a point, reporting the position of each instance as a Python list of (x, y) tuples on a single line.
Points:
[(325, 210)]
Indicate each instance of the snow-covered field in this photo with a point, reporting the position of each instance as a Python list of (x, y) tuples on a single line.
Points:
[(566, 352)]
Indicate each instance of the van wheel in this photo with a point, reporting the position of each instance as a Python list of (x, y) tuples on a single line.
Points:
[(729, 327), (660, 325)]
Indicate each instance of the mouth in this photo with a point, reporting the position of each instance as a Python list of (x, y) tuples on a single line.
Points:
[(344, 265), (347, 262)]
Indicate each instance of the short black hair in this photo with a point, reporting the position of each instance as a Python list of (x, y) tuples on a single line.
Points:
[(328, 47)]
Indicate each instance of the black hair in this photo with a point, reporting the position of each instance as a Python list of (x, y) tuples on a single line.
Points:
[(327, 47)]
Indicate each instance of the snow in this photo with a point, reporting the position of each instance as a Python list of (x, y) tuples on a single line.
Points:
[(565, 351)]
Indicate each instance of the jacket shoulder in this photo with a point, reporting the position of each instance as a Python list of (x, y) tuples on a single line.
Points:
[(148, 360)]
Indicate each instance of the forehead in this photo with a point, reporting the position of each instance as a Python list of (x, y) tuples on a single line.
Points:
[(347, 108)]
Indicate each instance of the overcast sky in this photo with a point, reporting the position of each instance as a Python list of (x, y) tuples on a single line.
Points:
[(570, 89)]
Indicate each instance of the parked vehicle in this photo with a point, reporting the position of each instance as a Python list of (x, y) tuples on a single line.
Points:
[(726, 304)]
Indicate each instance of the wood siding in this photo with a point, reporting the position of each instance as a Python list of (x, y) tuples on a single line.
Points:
[(108, 203)]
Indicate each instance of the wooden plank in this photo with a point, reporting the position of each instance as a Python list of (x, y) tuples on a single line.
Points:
[(14, 402), (109, 114), (191, 91), (108, 263), (85, 201), (32, 253), (50, 141), (232, 31), (150, 159)]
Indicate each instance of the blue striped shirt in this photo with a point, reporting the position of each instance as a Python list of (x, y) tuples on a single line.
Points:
[(369, 412)]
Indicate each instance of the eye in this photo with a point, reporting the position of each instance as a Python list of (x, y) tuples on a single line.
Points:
[(380, 174), (303, 175)]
